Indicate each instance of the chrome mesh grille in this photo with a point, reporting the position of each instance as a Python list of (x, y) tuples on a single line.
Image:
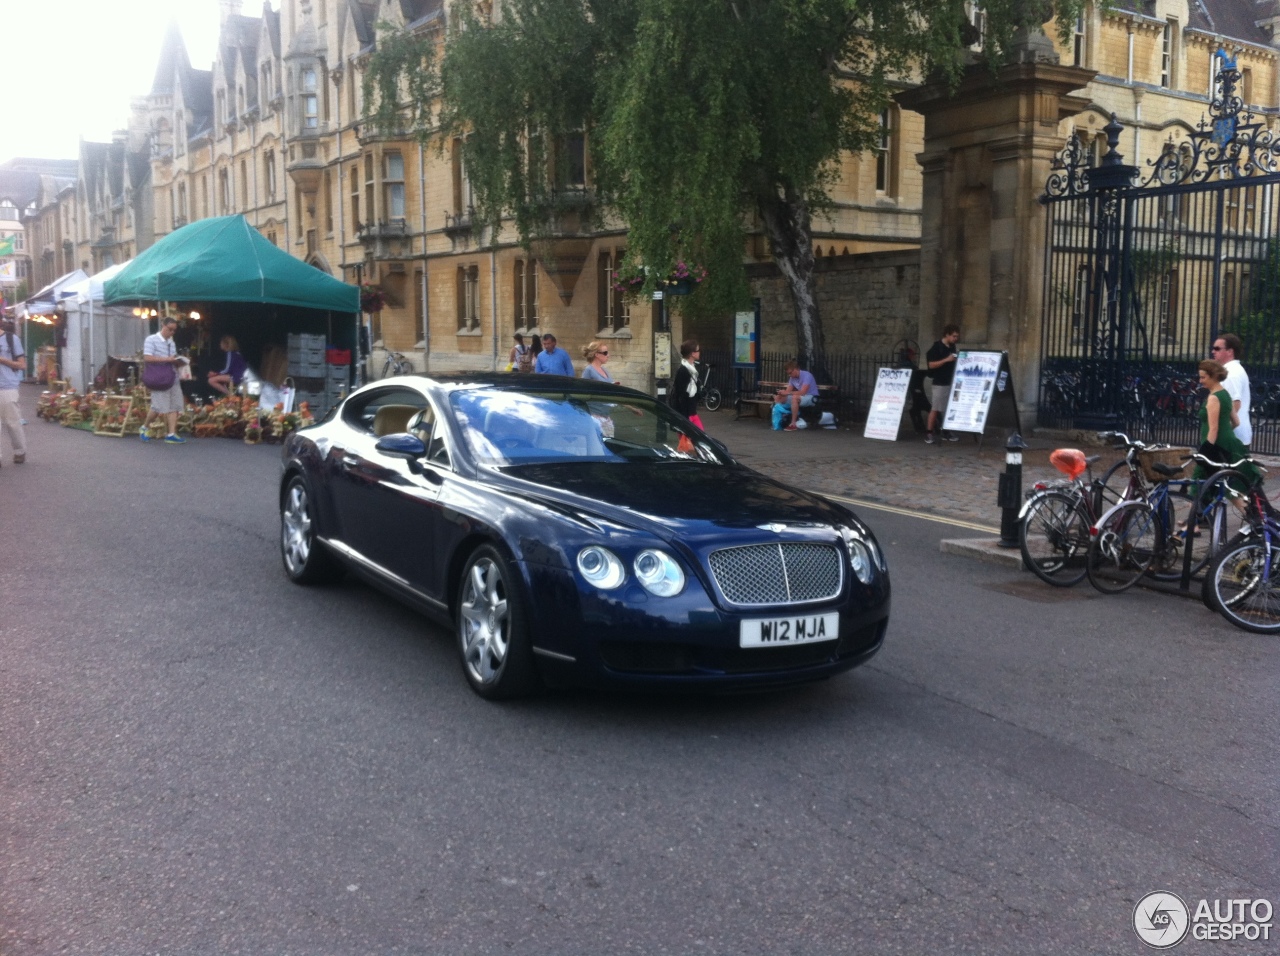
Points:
[(780, 573)]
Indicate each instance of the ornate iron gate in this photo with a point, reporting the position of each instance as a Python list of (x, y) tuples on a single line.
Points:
[(1144, 268)]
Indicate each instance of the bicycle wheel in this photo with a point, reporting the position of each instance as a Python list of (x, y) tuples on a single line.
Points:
[(1054, 538), (1211, 534), (390, 367), (1124, 545), (1243, 585), (712, 399)]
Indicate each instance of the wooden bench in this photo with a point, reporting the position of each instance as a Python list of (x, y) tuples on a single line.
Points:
[(763, 397)]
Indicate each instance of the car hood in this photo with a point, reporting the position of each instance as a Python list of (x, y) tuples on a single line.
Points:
[(675, 498)]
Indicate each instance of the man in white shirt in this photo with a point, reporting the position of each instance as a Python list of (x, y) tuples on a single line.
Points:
[(1225, 349)]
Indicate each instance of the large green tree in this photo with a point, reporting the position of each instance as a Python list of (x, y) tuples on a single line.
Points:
[(704, 119)]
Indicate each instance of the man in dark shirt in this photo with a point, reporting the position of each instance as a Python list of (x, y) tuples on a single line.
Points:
[(942, 367)]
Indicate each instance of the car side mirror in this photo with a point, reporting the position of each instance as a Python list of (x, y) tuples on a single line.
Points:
[(403, 446)]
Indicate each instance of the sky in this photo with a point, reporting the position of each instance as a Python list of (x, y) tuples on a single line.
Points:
[(72, 66)]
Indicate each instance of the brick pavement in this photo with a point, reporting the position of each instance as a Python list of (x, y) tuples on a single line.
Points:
[(950, 479)]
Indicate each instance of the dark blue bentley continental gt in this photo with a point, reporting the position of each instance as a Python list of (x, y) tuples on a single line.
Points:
[(578, 532)]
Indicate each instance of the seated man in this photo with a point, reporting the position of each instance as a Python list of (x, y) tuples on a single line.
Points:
[(801, 392)]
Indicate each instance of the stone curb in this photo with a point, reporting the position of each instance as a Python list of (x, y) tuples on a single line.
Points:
[(987, 550)]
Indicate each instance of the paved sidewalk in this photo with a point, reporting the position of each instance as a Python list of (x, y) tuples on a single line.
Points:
[(956, 480)]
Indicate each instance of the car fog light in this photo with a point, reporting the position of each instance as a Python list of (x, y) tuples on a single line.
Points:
[(659, 573), (601, 567), (860, 560)]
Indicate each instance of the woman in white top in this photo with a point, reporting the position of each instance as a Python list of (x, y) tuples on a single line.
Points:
[(516, 360), (597, 354)]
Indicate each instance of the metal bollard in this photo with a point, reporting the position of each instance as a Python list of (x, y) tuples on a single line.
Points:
[(1009, 496)]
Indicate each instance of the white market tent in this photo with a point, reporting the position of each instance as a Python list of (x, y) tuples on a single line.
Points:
[(95, 331), (45, 303)]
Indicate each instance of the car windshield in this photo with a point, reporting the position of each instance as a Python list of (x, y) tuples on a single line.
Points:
[(507, 427)]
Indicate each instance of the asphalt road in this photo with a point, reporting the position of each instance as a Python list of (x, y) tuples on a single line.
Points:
[(199, 757)]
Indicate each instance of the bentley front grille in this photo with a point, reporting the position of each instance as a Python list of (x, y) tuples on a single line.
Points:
[(783, 573)]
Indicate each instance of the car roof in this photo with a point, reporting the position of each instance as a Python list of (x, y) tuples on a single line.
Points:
[(454, 381)]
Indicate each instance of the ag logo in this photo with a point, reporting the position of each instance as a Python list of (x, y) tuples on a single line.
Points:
[(1161, 920)]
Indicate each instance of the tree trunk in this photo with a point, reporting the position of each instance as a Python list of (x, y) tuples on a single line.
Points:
[(787, 224)]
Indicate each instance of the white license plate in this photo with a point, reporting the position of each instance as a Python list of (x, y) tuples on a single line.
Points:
[(784, 631)]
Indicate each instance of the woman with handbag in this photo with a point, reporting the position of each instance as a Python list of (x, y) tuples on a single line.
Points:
[(160, 361)]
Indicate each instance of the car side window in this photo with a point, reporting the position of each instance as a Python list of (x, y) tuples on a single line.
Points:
[(437, 451), (383, 411)]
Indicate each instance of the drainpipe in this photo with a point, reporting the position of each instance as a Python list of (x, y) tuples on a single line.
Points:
[(493, 302), (426, 303), (1129, 72)]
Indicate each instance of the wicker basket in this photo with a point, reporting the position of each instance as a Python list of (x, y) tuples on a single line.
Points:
[(1148, 458)]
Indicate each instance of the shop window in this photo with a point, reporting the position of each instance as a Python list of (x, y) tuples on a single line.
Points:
[(393, 185), (614, 313), (468, 290), (525, 294)]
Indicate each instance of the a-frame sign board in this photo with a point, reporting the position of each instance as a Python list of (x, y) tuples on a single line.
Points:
[(981, 394)]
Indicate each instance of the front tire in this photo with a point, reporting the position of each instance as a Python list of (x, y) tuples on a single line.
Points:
[(1243, 585), (1126, 543), (306, 560), (493, 633)]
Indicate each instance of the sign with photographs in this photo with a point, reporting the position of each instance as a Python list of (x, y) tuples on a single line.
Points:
[(981, 382)]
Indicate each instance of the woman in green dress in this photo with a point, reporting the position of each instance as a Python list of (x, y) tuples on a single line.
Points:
[(1217, 424)]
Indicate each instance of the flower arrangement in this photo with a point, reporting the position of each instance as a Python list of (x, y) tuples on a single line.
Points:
[(372, 298), (631, 280)]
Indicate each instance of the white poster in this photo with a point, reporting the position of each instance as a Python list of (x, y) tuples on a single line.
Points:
[(887, 403), (971, 391), (662, 355)]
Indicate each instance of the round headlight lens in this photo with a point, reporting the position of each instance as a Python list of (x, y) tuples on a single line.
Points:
[(658, 572), (601, 567), (860, 560)]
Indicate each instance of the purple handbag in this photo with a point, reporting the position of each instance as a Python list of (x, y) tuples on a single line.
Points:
[(158, 376)]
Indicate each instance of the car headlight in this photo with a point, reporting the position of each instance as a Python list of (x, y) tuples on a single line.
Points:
[(601, 567), (659, 573), (860, 560), (877, 555)]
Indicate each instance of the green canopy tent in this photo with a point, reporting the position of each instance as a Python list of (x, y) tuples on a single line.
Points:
[(225, 259), (245, 286)]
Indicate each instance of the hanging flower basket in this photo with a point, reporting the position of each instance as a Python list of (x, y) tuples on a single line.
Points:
[(684, 278), (372, 298)]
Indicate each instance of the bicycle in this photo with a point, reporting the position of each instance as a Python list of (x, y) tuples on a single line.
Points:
[(1053, 526), (396, 364), (708, 394), (1150, 533), (1243, 580)]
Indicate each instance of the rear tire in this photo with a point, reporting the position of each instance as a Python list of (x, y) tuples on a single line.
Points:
[(1126, 543), (1244, 589), (492, 628), (1054, 539), (712, 399)]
